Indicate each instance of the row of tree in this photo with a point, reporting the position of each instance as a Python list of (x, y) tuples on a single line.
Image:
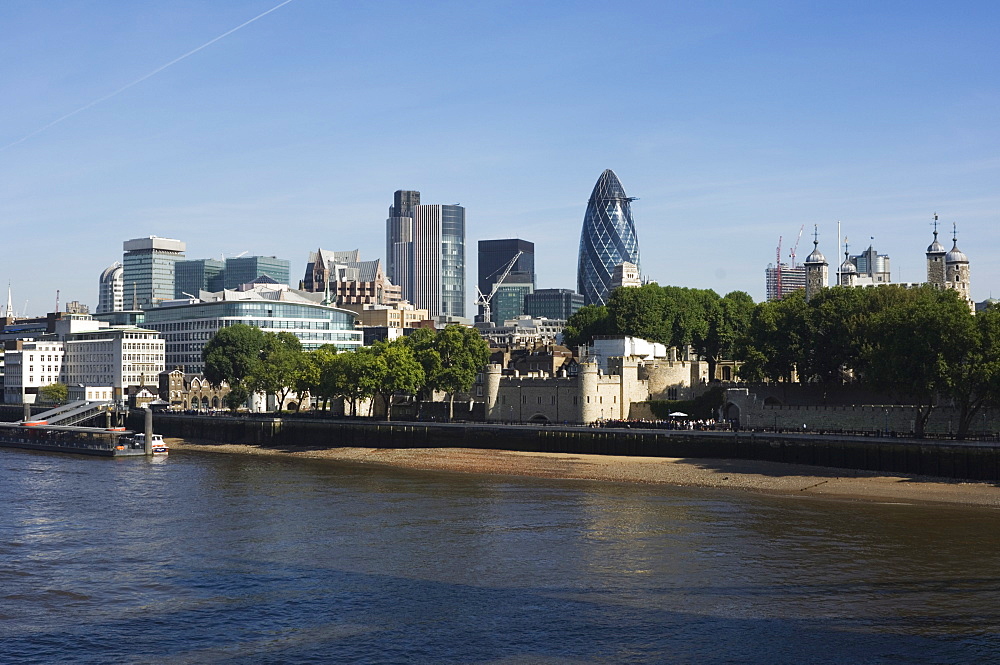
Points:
[(251, 360), (922, 344), (671, 315)]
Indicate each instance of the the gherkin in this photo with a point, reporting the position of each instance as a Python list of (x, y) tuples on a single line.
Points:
[(608, 239)]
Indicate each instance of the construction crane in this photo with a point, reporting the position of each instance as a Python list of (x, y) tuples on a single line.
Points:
[(792, 252), (777, 271), (484, 300)]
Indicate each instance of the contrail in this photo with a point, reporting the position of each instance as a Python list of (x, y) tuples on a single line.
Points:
[(142, 78)]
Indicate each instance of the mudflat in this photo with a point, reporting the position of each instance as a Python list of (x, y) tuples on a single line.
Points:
[(748, 475)]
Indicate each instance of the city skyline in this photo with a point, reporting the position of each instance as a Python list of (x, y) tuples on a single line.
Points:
[(733, 126)]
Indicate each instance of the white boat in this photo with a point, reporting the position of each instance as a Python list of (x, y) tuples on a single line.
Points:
[(139, 441)]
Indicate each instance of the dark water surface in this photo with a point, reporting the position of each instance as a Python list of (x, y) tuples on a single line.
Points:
[(227, 559)]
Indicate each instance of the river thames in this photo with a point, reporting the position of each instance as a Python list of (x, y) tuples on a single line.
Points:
[(202, 558)]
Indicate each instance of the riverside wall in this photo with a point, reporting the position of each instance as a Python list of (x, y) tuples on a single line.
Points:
[(971, 461)]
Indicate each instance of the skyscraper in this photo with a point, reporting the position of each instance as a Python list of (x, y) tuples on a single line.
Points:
[(426, 247), (148, 270), (195, 275), (608, 238), (111, 290), (245, 269), (494, 257), (399, 240)]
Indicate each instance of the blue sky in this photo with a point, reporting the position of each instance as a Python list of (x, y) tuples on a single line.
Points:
[(733, 123)]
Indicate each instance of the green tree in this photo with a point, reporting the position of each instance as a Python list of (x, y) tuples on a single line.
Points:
[(233, 356), (307, 376), (54, 393), (464, 354), (913, 347), (774, 342), (642, 312), (728, 321), (588, 321), (322, 359), (277, 370), (402, 373), (422, 342), (974, 382)]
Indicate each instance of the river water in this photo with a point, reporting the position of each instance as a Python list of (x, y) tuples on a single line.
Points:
[(201, 558)]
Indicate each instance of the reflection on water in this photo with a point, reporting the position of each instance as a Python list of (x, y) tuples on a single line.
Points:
[(218, 559)]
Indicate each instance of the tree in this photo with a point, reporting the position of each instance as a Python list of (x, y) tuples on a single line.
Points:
[(774, 342), (54, 393), (322, 360), (280, 365), (423, 345), (728, 321), (641, 312), (913, 347), (588, 321), (463, 355), (233, 356), (974, 383), (402, 373), (307, 376)]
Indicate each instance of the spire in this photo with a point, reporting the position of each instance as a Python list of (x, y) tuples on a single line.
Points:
[(326, 293), (10, 307)]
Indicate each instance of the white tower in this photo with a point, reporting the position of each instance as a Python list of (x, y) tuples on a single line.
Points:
[(817, 269), (956, 270)]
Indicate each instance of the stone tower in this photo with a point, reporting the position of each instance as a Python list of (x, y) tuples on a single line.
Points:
[(817, 269), (848, 271), (956, 270), (935, 261)]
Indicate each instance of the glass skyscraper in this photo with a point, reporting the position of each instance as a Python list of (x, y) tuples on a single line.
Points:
[(494, 257), (608, 239), (148, 270), (426, 253)]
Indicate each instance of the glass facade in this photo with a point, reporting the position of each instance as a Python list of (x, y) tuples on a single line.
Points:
[(148, 270), (608, 239), (197, 275), (552, 303), (508, 303), (245, 269), (452, 260), (188, 328)]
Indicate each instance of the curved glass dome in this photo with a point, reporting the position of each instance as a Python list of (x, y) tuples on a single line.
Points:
[(608, 239)]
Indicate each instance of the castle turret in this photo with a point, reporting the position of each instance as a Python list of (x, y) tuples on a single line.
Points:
[(493, 373), (935, 261), (848, 275), (817, 269), (956, 270), (587, 396)]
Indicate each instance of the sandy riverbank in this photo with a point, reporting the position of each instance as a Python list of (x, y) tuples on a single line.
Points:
[(769, 477)]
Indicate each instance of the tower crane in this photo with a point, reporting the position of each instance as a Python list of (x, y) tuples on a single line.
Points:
[(484, 300), (796, 246)]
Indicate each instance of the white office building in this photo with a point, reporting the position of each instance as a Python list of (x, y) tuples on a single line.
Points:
[(83, 353), (187, 325)]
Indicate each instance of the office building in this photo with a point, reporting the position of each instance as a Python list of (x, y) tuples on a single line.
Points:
[(245, 269), (399, 240), (349, 280), (111, 289), (495, 256), (427, 254), (608, 239), (80, 351), (148, 270), (552, 303), (197, 275), (780, 281), (188, 324)]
